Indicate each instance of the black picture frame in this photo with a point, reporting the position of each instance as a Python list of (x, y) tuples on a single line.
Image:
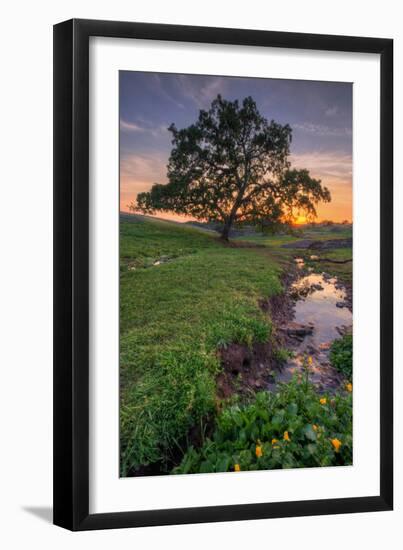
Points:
[(71, 274)]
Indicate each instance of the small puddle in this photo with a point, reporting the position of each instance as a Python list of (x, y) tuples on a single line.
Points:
[(321, 304)]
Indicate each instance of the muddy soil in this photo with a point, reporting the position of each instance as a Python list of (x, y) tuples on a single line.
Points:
[(247, 370), (313, 311)]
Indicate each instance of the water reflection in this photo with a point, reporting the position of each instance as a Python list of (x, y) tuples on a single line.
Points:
[(323, 304)]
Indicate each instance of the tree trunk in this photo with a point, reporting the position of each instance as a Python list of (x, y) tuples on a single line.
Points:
[(230, 220), (226, 230)]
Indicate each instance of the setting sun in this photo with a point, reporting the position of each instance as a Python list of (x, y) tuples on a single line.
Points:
[(300, 220)]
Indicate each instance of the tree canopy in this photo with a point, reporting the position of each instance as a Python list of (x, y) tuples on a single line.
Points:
[(233, 166)]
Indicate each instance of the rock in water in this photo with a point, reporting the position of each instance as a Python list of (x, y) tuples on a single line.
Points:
[(317, 286), (297, 329)]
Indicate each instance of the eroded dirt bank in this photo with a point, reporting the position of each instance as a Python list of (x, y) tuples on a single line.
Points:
[(307, 317)]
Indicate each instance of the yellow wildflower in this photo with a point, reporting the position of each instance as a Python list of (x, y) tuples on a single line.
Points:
[(273, 441), (310, 360), (286, 436), (259, 451), (349, 387), (237, 468), (336, 444), (315, 427), (323, 400)]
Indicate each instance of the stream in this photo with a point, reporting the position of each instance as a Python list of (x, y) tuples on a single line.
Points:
[(321, 314)]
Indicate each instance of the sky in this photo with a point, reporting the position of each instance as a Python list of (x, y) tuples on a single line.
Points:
[(319, 113)]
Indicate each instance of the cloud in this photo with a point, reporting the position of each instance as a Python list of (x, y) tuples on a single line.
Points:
[(334, 169), (157, 84), (201, 94), (130, 126), (155, 131), (322, 130), (330, 167), (144, 167), (332, 111), (138, 172)]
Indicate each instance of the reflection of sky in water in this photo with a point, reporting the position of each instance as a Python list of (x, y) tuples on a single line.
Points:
[(319, 308)]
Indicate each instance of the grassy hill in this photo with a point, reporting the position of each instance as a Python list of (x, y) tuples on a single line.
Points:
[(182, 295), (185, 295)]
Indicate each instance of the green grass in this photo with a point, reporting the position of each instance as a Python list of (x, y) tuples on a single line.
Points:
[(144, 240), (313, 233), (331, 232), (269, 240), (343, 271), (274, 244), (173, 318), (341, 355)]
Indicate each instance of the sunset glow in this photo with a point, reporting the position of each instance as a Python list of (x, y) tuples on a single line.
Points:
[(319, 113), (300, 220)]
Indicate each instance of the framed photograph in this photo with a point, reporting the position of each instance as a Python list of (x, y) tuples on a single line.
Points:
[(222, 274)]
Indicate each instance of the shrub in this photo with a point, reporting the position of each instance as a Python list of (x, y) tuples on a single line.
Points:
[(341, 355), (296, 427)]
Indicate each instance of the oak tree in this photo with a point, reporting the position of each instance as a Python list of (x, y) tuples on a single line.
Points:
[(233, 166)]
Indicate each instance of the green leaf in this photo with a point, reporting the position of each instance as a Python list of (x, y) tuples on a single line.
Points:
[(292, 409), (222, 464), (309, 432), (311, 448), (278, 420), (206, 467)]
